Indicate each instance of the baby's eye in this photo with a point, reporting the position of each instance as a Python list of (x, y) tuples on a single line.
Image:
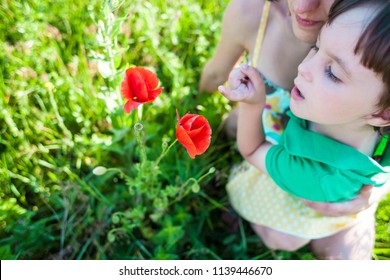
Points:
[(330, 75)]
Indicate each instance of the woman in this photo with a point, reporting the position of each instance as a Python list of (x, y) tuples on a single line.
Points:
[(276, 39)]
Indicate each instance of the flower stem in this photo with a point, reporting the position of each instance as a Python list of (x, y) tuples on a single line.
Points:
[(138, 135), (163, 154), (187, 191)]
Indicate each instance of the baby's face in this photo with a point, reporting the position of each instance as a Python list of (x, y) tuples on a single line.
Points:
[(332, 86), (307, 17)]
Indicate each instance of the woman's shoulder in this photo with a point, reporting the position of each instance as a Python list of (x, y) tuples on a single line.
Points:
[(242, 18), (245, 12), (247, 5)]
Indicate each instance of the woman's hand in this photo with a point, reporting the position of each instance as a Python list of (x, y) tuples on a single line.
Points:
[(365, 199)]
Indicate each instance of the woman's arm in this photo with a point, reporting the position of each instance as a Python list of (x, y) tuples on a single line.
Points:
[(368, 196), (240, 20)]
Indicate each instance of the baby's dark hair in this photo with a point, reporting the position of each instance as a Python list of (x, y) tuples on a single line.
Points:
[(373, 45)]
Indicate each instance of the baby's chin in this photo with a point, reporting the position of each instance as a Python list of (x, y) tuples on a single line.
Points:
[(295, 110)]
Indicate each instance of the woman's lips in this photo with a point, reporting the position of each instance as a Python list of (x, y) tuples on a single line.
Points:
[(307, 22), (296, 94)]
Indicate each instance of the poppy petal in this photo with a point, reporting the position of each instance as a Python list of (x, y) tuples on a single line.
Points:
[(155, 93), (202, 143), (137, 86), (125, 90), (199, 125), (186, 141), (130, 105), (187, 121), (149, 77), (194, 132)]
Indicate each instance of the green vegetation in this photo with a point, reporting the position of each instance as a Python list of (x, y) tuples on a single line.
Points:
[(61, 63)]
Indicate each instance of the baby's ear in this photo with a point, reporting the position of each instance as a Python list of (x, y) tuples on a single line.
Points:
[(380, 120)]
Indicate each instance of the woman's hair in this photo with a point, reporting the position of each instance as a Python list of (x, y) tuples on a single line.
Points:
[(373, 44)]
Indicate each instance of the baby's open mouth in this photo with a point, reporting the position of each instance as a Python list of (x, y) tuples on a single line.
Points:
[(300, 93), (297, 94)]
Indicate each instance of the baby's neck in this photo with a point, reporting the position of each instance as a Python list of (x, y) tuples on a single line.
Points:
[(364, 138)]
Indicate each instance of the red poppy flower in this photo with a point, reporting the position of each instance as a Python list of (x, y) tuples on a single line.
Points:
[(194, 133), (139, 86)]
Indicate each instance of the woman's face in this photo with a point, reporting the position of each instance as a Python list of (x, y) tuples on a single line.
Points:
[(308, 16)]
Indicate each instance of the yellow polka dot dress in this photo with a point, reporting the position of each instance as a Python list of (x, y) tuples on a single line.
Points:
[(257, 199)]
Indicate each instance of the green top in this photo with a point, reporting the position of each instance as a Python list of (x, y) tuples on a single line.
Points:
[(315, 167)]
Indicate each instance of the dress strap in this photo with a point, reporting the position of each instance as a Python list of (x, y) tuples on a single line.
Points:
[(261, 32)]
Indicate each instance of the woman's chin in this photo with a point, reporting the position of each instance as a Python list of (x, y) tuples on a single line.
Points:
[(306, 36)]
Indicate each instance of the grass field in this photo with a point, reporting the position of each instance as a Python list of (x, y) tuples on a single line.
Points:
[(61, 116)]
